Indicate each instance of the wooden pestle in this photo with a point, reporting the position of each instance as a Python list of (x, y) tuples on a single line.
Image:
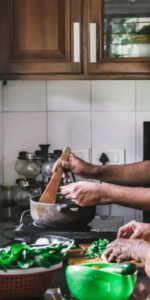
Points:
[(49, 195)]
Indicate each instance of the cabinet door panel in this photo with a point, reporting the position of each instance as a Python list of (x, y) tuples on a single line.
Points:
[(38, 36), (39, 29), (122, 36)]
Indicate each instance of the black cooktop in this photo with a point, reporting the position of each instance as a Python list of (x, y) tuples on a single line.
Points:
[(28, 227)]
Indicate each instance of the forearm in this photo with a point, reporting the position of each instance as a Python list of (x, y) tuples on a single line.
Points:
[(138, 198), (143, 250), (137, 174)]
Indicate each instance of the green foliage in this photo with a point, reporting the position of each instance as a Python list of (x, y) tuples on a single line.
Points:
[(24, 256), (96, 249)]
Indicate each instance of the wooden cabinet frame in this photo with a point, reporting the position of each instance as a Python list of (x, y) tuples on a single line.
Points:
[(58, 64), (108, 65)]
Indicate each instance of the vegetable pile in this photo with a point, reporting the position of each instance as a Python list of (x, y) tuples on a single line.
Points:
[(96, 249), (23, 256)]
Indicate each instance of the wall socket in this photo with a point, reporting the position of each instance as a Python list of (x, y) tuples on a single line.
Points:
[(82, 153), (115, 156)]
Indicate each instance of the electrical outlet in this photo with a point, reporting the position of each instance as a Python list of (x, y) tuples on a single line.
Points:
[(115, 156), (82, 154)]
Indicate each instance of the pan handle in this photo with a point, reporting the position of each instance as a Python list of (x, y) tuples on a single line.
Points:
[(23, 214), (68, 206)]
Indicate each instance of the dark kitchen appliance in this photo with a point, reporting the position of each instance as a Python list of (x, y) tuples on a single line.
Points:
[(86, 234), (146, 156)]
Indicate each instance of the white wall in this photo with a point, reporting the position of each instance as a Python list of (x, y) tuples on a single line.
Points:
[(1, 136), (79, 114)]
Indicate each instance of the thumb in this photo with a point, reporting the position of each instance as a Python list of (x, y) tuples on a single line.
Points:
[(136, 235)]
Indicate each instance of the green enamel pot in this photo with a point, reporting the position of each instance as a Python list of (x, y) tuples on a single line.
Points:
[(86, 283)]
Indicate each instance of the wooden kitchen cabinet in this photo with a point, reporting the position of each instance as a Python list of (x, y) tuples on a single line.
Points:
[(40, 36), (119, 37), (74, 39)]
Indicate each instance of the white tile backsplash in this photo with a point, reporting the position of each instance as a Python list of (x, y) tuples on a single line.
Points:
[(79, 114), (114, 130), (68, 95), (25, 96), (69, 129), (143, 95), (22, 131), (113, 95)]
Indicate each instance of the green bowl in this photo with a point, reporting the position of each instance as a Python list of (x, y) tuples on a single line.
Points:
[(86, 283)]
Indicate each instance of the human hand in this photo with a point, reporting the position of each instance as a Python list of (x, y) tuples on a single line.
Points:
[(82, 193), (135, 230), (122, 250), (74, 165)]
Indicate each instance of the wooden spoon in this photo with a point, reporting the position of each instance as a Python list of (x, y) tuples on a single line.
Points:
[(49, 195)]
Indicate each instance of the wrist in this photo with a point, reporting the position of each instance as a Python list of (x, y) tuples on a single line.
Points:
[(134, 250)]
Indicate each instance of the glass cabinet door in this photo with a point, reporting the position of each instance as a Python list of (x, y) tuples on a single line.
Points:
[(122, 37), (127, 28)]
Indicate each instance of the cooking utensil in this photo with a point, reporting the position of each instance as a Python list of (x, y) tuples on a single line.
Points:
[(86, 283), (49, 195), (63, 213)]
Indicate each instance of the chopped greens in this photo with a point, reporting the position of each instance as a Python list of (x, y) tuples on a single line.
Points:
[(96, 249), (23, 256)]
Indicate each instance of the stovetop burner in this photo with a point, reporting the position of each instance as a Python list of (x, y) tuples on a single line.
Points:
[(28, 227)]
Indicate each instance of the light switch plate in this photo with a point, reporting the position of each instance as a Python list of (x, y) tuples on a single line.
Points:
[(82, 153), (115, 155)]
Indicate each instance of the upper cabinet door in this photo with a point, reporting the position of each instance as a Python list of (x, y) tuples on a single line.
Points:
[(40, 36), (119, 37)]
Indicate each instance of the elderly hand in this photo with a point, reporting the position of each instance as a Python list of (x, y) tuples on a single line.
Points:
[(75, 165), (121, 250), (135, 230), (83, 193)]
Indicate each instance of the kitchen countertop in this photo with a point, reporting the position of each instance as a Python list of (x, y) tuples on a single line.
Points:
[(58, 289)]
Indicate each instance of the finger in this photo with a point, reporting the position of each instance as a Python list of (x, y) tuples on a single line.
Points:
[(111, 245), (125, 229), (65, 175), (107, 253), (65, 190), (136, 235), (120, 258), (112, 257)]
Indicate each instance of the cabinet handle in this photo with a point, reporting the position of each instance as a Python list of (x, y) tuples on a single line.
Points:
[(76, 42), (92, 42)]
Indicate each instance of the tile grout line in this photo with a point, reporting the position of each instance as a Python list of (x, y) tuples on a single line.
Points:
[(46, 115), (135, 131), (91, 118)]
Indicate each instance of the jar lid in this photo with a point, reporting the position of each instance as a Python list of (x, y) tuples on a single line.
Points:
[(23, 183), (22, 155), (30, 156), (51, 155)]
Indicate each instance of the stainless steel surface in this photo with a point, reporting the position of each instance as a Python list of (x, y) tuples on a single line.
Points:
[(47, 214)]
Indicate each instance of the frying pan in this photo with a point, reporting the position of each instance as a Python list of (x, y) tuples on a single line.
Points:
[(64, 213)]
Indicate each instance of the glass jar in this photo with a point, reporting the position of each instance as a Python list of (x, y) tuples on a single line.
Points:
[(31, 168), (22, 193), (21, 159), (47, 167)]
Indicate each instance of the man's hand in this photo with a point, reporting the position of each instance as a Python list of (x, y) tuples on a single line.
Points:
[(75, 165), (83, 193), (121, 250), (135, 230)]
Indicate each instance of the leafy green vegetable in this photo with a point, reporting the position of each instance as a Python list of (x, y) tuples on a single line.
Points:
[(24, 256), (96, 249)]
